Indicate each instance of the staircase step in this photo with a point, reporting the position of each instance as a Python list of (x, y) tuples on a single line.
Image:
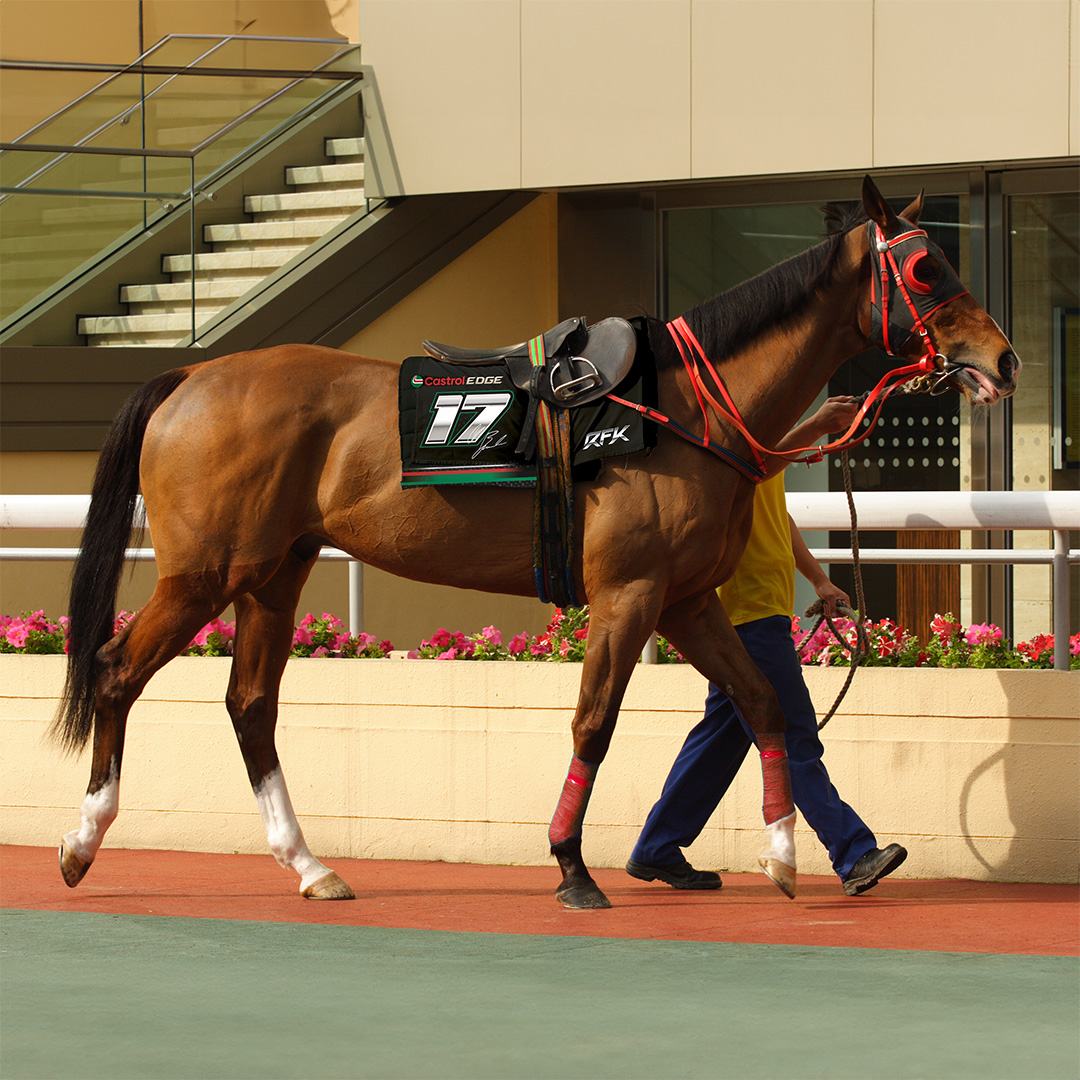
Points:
[(219, 289), (230, 261), (351, 172), (164, 340), (297, 202), (256, 232), (344, 147), (132, 324)]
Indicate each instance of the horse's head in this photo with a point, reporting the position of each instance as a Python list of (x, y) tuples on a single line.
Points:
[(919, 307)]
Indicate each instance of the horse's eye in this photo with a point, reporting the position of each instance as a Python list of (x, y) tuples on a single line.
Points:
[(922, 271)]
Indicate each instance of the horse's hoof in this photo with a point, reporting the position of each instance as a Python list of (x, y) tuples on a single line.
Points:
[(72, 867), (328, 887), (582, 897), (780, 874)]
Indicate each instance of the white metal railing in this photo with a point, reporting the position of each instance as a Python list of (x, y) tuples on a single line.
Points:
[(1051, 511)]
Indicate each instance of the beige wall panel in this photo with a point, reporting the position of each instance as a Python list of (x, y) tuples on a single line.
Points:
[(961, 81), (1074, 76), (449, 77), (781, 86), (605, 91)]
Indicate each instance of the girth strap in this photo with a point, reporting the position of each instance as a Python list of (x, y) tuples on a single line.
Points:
[(553, 516)]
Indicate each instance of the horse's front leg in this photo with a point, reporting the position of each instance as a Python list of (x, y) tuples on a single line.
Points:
[(700, 629), (620, 622)]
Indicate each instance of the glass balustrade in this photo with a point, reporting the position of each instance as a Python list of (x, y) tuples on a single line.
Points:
[(115, 159)]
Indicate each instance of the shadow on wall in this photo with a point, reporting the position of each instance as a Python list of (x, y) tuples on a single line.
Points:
[(1039, 781)]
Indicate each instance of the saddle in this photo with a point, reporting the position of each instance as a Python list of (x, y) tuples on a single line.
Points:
[(583, 363), (572, 364)]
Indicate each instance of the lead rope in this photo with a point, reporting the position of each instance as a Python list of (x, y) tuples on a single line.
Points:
[(862, 641)]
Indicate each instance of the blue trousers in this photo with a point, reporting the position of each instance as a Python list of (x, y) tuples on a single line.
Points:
[(713, 751)]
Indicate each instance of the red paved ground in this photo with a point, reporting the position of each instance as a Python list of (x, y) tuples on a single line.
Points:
[(965, 916)]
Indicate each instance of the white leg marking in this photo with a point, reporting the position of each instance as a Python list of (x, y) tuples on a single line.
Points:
[(98, 813), (780, 836), (283, 830)]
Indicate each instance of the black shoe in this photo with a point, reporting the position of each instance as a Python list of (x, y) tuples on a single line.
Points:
[(872, 867), (678, 875)]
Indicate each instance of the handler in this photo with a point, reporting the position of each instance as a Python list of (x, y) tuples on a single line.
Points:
[(759, 600)]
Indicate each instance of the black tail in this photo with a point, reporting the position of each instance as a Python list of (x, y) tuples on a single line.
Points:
[(96, 577)]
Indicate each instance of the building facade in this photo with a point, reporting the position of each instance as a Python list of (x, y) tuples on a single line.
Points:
[(677, 147)]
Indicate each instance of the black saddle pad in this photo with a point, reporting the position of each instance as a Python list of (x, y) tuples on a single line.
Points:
[(460, 424)]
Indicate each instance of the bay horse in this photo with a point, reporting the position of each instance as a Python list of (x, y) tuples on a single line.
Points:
[(250, 463)]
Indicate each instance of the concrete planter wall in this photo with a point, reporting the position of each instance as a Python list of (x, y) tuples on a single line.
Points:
[(974, 771)]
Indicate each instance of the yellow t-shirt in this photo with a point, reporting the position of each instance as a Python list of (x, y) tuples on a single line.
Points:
[(764, 582)]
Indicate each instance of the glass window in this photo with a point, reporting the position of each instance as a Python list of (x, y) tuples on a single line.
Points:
[(1044, 324)]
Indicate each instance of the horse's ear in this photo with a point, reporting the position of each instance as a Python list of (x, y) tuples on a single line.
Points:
[(913, 212), (876, 207)]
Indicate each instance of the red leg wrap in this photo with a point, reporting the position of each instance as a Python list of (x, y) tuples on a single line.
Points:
[(775, 781), (570, 813)]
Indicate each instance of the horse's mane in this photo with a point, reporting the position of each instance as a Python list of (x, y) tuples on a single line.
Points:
[(735, 318)]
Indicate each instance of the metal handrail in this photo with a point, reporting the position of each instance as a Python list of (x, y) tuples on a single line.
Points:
[(1055, 511), (136, 67)]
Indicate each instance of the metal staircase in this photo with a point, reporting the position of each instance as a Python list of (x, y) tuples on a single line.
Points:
[(242, 254)]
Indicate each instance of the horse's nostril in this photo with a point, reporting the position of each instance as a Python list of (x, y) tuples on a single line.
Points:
[(1008, 365)]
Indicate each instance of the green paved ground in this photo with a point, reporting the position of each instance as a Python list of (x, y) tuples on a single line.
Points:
[(139, 996)]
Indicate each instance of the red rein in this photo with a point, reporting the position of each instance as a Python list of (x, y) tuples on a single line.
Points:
[(691, 351)]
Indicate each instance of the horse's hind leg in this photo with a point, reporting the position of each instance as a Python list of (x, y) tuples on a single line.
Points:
[(175, 613), (264, 630)]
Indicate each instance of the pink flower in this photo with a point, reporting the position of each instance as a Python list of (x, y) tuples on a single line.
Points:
[(491, 635), (450, 654), (440, 639), (413, 654), (17, 634), (582, 634), (386, 647), (541, 647), (322, 650), (302, 636), (1074, 645), (983, 634), (518, 644)]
